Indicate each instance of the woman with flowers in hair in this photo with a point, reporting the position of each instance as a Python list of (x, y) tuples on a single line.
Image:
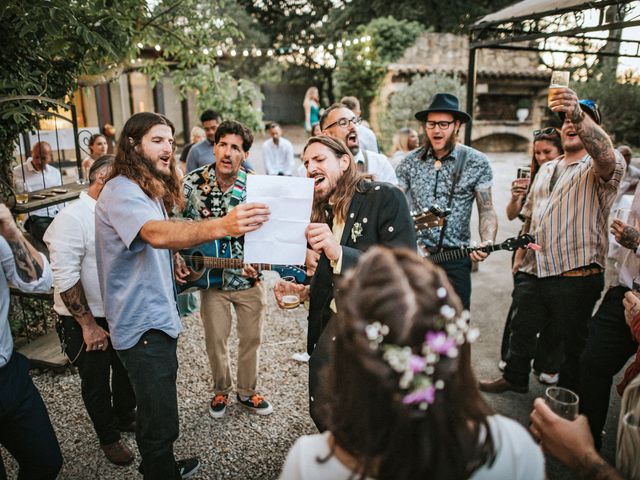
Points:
[(405, 402)]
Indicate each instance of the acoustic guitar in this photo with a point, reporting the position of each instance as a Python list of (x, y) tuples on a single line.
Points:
[(207, 261)]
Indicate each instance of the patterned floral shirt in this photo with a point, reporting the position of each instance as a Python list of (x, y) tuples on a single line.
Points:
[(204, 199), (426, 186)]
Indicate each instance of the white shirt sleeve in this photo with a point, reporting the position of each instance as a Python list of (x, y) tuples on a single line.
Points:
[(66, 243)]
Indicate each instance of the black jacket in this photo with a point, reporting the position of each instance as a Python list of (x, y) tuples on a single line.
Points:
[(382, 214)]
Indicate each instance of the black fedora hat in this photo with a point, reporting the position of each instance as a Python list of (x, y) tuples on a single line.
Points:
[(444, 102)]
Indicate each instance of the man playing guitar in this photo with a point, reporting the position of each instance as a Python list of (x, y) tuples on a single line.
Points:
[(451, 175), (211, 192)]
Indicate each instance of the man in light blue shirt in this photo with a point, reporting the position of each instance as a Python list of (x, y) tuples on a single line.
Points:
[(201, 153), (134, 243), (25, 428)]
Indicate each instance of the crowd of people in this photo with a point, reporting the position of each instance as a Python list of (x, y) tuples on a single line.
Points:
[(391, 388)]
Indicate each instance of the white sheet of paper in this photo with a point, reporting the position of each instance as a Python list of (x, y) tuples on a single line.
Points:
[(281, 240)]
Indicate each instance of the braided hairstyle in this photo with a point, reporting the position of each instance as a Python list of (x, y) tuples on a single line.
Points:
[(391, 440)]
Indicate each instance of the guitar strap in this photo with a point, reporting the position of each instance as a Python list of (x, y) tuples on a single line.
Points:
[(236, 193), (238, 188), (457, 173)]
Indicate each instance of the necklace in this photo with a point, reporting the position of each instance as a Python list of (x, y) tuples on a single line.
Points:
[(437, 164)]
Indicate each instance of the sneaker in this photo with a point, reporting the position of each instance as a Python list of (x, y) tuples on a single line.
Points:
[(188, 467), (218, 406), (301, 357), (256, 404), (501, 365), (118, 453), (549, 378)]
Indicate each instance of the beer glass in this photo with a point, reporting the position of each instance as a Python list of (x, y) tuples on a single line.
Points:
[(562, 401), (559, 79)]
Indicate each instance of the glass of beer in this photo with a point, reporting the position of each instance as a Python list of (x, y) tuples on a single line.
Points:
[(20, 189), (559, 79), (563, 402)]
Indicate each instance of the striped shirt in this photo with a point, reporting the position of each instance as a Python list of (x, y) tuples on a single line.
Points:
[(569, 221)]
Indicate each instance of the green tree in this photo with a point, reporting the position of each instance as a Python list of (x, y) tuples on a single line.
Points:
[(50, 44), (363, 66), (619, 104)]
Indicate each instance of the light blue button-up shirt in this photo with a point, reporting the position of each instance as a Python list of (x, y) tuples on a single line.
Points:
[(136, 279), (10, 275)]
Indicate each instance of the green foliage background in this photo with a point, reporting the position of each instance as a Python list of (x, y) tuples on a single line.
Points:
[(619, 104), (363, 67)]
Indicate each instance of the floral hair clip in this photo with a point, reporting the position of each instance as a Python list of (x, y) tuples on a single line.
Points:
[(417, 370)]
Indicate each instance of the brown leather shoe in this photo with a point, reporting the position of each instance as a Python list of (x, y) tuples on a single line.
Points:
[(118, 453), (500, 386)]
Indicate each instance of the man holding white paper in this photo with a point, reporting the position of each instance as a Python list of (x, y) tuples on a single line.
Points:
[(350, 214), (213, 191)]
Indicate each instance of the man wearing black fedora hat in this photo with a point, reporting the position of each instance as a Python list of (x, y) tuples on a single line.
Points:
[(566, 210), (450, 175)]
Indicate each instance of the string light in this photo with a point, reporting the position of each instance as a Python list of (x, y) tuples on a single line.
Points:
[(158, 48)]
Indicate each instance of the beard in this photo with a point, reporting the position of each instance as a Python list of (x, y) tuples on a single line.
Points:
[(160, 175), (448, 145)]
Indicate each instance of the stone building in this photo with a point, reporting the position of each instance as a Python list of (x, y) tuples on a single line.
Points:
[(507, 80)]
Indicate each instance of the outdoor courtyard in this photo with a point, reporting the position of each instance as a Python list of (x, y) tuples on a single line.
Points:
[(242, 445)]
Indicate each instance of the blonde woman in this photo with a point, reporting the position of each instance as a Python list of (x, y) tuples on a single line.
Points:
[(311, 106), (403, 142)]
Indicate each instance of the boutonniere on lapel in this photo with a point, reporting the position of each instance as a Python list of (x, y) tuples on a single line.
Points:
[(356, 231)]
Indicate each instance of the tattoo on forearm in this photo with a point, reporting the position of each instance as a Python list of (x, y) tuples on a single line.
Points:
[(488, 223), (596, 469), (630, 238), (76, 302), (27, 267), (599, 146)]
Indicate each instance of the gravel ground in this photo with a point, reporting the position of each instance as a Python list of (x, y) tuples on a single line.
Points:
[(240, 445)]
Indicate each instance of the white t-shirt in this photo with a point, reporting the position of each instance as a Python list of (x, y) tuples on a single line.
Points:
[(518, 457)]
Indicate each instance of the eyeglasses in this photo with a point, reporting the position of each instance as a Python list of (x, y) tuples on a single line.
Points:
[(344, 122), (443, 124), (545, 131)]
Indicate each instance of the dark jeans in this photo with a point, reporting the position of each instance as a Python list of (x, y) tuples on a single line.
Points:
[(25, 428), (548, 355), (459, 274), (566, 301), (37, 225), (107, 405), (609, 346), (152, 366)]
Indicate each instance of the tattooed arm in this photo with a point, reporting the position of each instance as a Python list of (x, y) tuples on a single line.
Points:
[(595, 140), (488, 222), (27, 260), (626, 235), (95, 337)]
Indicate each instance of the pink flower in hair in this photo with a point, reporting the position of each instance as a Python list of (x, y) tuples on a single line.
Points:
[(424, 395), (438, 342), (417, 363)]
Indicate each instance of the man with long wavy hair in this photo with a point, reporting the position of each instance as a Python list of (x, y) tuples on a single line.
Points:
[(350, 214), (134, 243)]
